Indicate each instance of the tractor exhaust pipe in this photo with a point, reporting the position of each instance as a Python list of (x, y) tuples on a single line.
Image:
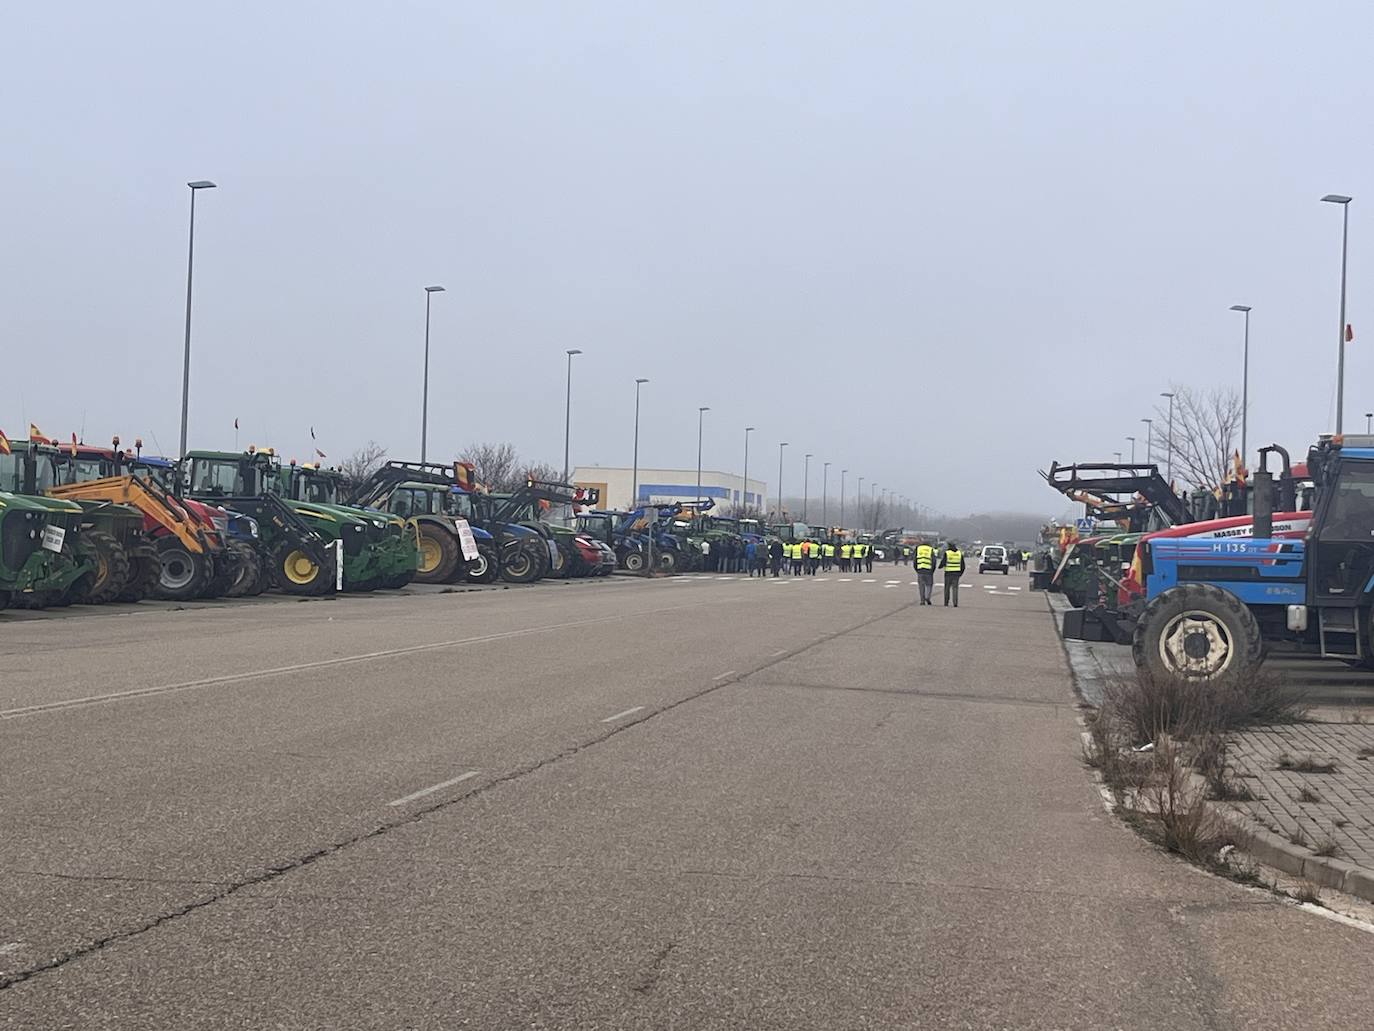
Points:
[(1263, 527)]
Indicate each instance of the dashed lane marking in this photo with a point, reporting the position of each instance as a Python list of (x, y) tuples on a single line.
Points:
[(871, 581), (622, 715), (434, 787)]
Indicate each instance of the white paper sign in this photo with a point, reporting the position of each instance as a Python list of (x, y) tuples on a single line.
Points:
[(467, 540), (53, 537)]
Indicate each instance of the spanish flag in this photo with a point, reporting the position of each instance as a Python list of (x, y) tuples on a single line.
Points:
[(34, 432), (73, 445), (4, 443)]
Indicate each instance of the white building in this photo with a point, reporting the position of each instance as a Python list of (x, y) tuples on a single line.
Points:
[(662, 486)]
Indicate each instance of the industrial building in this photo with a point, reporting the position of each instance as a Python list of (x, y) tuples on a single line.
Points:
[(662, 486)]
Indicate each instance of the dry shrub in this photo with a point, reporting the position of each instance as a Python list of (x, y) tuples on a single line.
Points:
[(1187, 824), (1150, 705)]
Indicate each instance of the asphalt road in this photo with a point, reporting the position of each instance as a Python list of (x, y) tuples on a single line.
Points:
[(681, 803)]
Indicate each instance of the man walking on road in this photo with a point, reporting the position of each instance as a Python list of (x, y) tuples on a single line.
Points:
[(925, 571), (775, 556), (953, 565)]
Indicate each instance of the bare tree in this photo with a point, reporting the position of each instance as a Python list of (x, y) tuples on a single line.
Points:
[(1205, 433), (497, 465), (544, 471), (363, 462)]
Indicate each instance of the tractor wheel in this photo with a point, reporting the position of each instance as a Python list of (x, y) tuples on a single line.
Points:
[(560, 564), (184, 574), (295, 572), (439, 555), (668, 561), (145, 569), (396, 581), (111, 573), (484, 568), (226, 574), (634, 561), (1197, 632), (524, 561), (247, 573)]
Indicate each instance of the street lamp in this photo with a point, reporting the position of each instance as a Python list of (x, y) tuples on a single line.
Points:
[(747, 430), (873, 504), (1245, 385), (1344, 202), (634, 481), (1149, 439), (567, 412), (701, 414), (825, 493), (1132, 440), (1118, 457), (430, 291), (780, 447), (1169, 444), (1368, 416), (199, 184), (843, 474), (806, 482)]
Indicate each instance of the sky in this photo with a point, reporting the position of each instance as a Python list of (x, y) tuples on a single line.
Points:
[(938, 245)]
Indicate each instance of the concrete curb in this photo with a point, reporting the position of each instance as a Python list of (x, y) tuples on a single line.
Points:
[(1259, 842)]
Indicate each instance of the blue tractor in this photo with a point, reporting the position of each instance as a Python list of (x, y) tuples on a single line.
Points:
[(1215, 606)]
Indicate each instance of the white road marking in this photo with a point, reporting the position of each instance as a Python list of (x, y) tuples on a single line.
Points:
[(871, 581), (725, 578), (10, 947), (1013, 588), (781, 651), (846, 580), (722, 676), (894, 581), (893, 584), (822, 579), (435, 787), (230, 678), (915, 583), (622, 715)]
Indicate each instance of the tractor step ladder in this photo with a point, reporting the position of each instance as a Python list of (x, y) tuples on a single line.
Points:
[(1340, 633)]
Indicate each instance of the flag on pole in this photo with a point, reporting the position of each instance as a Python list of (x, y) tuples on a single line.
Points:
[(1349, 332), (34, 432), (320, 453), (312, 432), (4, 443), (236, 424), (73, 445)]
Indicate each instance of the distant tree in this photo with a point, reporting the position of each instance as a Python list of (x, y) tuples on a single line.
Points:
[(1205, 434), (544, 471), (363, 462), (497, 465)]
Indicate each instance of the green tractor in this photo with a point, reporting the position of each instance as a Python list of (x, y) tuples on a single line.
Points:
[(111, 541), (297, 548), (40, 551), (399, 548)]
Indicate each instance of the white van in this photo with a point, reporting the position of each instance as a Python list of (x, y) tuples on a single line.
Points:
[(993, 557)]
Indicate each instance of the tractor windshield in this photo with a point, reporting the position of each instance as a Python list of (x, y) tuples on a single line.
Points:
[(1350, 516), (597, 526), (82, 470), (218, 477), (460, 504), (319, 491), (12, 472)]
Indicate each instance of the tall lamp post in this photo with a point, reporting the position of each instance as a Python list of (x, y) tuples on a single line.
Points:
[(780, 447), (1369, 422), (825, 493), (873, 504), (747, 430), (843, 474), (1169, 443), (701, 415), (634, 488), (430, 291), (1245, 385), (199, 184), (1132, 440), (1344, 202), (806, 482), (567, 412), (1149, 439)]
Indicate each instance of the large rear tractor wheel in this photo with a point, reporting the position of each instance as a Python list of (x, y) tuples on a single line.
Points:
[(247, 573), (668, 561), (145, 570), (439, 555), (184, 574), (560, 563), (484, 568), (226, 566), (634, 561), (295, 572), (111, 573), (1197, 632), (524, 561)]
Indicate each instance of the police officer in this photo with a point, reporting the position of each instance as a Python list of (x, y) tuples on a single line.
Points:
[(925, 571), (952, 562)]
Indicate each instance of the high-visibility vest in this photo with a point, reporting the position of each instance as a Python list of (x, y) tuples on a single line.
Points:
[(828, 551), (862, 550), (954, 561), (844, 551), (925, 557)]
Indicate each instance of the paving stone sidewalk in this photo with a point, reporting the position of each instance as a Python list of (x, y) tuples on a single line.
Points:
[(1343, 813)]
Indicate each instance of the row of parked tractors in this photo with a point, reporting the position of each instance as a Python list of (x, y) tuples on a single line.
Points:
[(93, 524)]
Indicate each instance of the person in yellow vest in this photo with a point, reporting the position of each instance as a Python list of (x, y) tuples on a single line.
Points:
[(827, 555), (952, 562), (844, 557), (796, 558), (925, 571)]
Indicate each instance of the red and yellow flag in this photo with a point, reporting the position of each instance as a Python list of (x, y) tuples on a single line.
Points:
[(34, 432), (73, 445), (4, 443)]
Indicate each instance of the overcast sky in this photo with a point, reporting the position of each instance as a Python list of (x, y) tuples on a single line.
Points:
[(938, 245)]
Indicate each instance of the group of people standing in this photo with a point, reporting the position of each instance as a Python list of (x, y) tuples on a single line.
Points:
[(808, 557)]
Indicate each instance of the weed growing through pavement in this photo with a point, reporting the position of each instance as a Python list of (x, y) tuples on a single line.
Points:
[(1307, 795), (1308, 892), (1365, 753), (1326, 847), (1297, 837), (1307, 764)]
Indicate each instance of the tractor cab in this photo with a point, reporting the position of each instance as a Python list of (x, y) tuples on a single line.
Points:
[(230, 474), (1340, 564), (29, 468), (310, 483), (408, 500), (599, 526)]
